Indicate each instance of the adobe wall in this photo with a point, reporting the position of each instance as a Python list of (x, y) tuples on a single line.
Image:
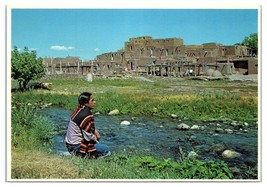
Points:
[(69, 64), (145, 51), (252, 66), (236, 50)]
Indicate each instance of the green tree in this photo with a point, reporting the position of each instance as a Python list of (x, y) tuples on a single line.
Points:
[(252, 42), (25, 66)]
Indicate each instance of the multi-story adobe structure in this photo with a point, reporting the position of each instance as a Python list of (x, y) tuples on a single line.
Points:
[(170, 56)]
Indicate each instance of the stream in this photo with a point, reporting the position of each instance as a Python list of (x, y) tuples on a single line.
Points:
[(161, 138)]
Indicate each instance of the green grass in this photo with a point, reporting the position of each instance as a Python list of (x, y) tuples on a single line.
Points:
[(195, 100), (28, 164), (29, 131), (32, 136)]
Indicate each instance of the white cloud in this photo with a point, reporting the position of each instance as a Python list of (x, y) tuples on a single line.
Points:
[(97, 49), (61, 48)]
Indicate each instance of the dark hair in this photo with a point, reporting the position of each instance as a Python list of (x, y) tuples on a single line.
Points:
[(84, 98)]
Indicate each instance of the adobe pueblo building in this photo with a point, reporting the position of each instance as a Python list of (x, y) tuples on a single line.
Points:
[(163, 57)]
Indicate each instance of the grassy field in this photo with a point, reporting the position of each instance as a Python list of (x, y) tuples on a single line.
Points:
[(188, 99)]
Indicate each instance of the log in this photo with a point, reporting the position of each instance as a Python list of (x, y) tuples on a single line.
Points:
[(206, 78), (38, 85)]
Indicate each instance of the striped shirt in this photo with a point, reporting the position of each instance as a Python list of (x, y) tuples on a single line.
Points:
[(81, 129)]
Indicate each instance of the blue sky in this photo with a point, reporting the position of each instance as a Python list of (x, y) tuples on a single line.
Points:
[(90, 32)]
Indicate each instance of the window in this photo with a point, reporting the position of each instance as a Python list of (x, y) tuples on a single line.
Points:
[(141, 51)]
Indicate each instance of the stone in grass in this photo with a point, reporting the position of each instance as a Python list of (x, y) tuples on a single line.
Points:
[(114, 112)]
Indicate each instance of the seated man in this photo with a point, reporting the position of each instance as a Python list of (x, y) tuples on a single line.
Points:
[(82, 139)]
